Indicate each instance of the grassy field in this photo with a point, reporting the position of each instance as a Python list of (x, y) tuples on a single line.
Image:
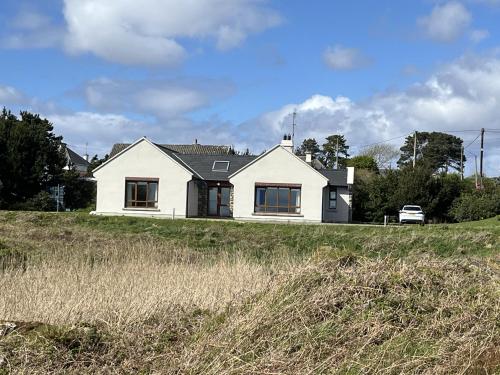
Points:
[(85, 294)]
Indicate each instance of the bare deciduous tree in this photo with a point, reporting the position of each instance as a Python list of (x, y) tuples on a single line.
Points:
[(383, 154)]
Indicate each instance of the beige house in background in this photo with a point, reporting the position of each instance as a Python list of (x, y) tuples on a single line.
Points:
[(148, 179)]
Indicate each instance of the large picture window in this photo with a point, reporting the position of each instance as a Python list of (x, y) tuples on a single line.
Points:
[(277, 199), (141, 193)]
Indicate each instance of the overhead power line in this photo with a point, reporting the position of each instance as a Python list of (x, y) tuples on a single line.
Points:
[(460, 131), (475, 139), (384, 141)]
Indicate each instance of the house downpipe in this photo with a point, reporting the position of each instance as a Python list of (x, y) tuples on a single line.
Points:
[(350, 183)]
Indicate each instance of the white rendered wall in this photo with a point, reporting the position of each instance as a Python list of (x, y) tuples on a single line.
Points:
[(279, 166), (142, 160)]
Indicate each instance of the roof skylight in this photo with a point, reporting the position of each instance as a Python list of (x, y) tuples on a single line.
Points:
[(220, 166)]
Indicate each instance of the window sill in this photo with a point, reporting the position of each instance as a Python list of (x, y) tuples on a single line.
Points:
[(276, 214), (141, 209)]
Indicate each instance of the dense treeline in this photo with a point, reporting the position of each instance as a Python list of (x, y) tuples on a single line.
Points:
[(443, 197), (381, 190), (33, 161)]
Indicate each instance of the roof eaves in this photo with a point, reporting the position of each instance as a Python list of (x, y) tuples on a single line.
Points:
[(252, 162), (179, 161), (118, 154), (269, 151)]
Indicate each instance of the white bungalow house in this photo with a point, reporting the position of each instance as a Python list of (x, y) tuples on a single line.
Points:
[(148, 179)]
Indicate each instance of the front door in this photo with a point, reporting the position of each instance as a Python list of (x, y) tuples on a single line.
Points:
[(218, 201)]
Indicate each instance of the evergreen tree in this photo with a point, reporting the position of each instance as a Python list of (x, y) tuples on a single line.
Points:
[(31, 155), (438, 151), (95, 162), (330, 151), (78, 192), (308, 145)]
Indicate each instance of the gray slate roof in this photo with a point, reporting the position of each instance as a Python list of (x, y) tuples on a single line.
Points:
[(75, 159), (181, 149), (203, 164), (336, 177), (201, 160), (316, 164)]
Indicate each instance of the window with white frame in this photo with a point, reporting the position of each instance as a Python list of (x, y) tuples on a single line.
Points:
[(220, 166)]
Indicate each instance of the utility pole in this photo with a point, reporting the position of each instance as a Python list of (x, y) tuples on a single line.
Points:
[(337, 154), (481, 157), (58, 192), (293, 124), (414, 148), (475, 161), (462, 162), (86, 152)]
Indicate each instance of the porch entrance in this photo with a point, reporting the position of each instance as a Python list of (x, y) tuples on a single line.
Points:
[(218, 201)]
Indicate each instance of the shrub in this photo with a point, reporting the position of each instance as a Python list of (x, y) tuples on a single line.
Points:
[(39, 202), (475, 206)]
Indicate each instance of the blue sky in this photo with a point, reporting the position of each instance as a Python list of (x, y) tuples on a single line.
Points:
[(232, 71)]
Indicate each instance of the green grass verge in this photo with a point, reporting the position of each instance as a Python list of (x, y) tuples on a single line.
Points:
[(266, 241)]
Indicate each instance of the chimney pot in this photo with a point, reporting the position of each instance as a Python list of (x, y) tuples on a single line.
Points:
[(308, 157), (287, 143)]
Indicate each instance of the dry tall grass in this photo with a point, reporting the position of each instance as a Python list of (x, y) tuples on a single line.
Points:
[(124, 293), (123, 282), (116, 302), (359, 316)]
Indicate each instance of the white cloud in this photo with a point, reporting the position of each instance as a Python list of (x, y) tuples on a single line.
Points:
[(462, 95), (31, 29), (478, 35), (101, 131), (161, 98), (147, 32), (10, 95), (341, 58), (446, 22)]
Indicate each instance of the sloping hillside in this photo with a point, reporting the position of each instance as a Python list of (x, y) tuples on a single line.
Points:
[(80, 294)]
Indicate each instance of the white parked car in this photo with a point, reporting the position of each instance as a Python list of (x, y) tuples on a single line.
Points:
[(411, 214)]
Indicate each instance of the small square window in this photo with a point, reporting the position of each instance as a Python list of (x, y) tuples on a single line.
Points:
[(220, 166)]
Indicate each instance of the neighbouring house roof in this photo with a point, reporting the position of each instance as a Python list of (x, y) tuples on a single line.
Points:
[(336, 177), (195, 149), (316, 164), (203, 164), (75, 159)]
